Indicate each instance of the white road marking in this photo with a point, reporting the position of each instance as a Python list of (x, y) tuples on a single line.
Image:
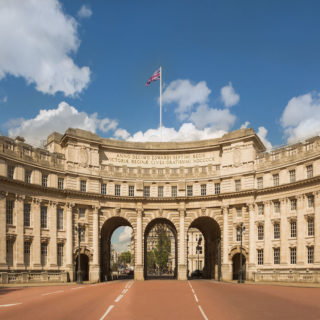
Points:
[(106, 313), (46, 294), (203, 314), (9, 305), (77, 288), (195, 296), (119, 298)]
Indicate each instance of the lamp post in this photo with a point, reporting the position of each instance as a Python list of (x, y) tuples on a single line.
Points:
[(241, 231), (80, 229), (198, 249)]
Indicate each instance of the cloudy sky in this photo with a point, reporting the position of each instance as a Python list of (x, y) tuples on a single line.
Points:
[(227, 64)]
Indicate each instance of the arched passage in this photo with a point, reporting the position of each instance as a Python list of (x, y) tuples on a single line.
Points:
[(211, 232), (84, 267), (160, 249), (236, 266), (106, 232)]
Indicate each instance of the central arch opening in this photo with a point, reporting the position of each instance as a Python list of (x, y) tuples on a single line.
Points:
[(160, 250)]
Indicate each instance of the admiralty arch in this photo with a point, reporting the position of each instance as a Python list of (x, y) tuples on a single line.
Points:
[(80, 180)]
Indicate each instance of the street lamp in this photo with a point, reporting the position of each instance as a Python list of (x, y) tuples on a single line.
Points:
[(80, 229), (241, 230), (198, 249)]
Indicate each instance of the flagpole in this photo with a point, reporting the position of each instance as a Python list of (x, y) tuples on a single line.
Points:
[(161, 102)]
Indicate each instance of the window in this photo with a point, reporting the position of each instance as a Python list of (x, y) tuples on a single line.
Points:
[(292, 174), (103, 188), (293, 229), (311, 227), (293, 255), (238, 233), (276, 206), (10, 252), (117, 189), (27, 253), (60, 183), (203, 189), (275, 180), (60, 219), (10, 172), (82, 235), (27, 176), (310, 254), (83, 185), (174, 191), (131, 191), (60, 254), (217, 188), (260, 232), (260, 256), (82, 213), (276, 255), (310, 201), (260, 183), (276, 231), (260, 209), (160, 191), (26, 214), (309, 171), (44, 253), (293, 203), (160, 172), (238, 185), (189, 191), (44, 181), (146, 191), (9, 211), (239, 212), (43, 211)]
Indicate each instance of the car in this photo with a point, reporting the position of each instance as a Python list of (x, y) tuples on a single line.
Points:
[(196, 273)]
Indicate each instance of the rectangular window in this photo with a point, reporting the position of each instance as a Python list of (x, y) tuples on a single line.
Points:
[(311, 227), (82, 213), (44, 253), (203, 189), (43, 211), (260, 182), (293, 255), (10, 172), (103, 188), (293, 229), (310, 171), (238, 234), (276, 206), (310, 201), (292, 174), (160, 191), (189, 191), (10, 252), (9, 211), (276, 255), (146, 191), (83, 235), (217, 188), (83, 185), (239, 212), (44, 181), (60, 218), (60, 183), (117, 189), (238, 185), (27, 176), (275, 180), (27, 246), (310, 254), (260, 256), (260, 209), (276, 231), (293, 204), (260, 232), (174, 191), (131, 191), (60, 254), (26, 214)]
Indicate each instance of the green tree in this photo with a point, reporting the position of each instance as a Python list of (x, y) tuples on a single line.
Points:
[(125, 257), (163, 248)]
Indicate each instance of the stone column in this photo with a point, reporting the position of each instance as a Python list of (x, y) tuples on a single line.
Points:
[(94, 268), (252, 242), (36, 243), (226, 268), (69, 243), (301, 230), (317, 228), (283, 231), (3, 231), (182, 266), (19, 245), (267, 235), (138, 271), (53, 234)]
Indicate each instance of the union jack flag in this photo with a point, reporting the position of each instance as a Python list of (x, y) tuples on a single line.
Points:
[(154, 77)]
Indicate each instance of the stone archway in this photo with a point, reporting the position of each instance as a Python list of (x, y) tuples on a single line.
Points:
[(107, 230), (160, 237), (211, 232), (84, 267)]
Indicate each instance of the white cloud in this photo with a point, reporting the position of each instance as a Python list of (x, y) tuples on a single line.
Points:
[(121, 134), (4, 99), (262, 134), (121, 242), (84, 12), (245, 125), (301, 117), (37, 39), (59, 119), (125, 235), (228, 96)]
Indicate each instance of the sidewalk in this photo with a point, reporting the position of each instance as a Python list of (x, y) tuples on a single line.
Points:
[(284, 284), (40, 284)]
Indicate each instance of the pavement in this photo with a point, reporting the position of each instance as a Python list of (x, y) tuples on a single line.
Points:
[(160, 299)]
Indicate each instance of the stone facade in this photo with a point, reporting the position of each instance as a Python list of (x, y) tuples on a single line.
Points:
[(80, 179)]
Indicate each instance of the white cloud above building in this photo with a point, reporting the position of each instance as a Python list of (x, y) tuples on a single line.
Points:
[(84, 12), (228, 96)]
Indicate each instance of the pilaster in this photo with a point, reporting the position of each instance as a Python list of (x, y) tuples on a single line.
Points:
[(301, 228), (182, 265), (36, 243), (226, 267), (283, 232), (69, 243), (3, 238), (252, 243), (94, 268), (267, 234), (138, 273), (18, 210), (317, 228), (53, 234)]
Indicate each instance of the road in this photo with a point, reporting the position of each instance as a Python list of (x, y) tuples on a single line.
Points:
[(160, 299)]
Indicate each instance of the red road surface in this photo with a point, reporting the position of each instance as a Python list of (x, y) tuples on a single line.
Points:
[(160, 299)]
